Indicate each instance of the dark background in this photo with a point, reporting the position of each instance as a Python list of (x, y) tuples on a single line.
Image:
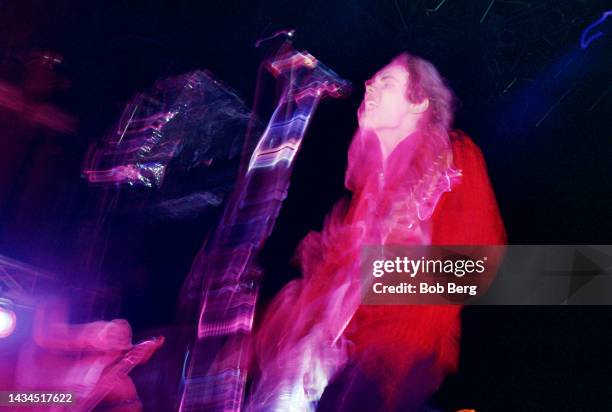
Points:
[(537, 104)]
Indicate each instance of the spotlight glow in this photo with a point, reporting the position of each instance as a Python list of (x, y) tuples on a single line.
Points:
[(8, 322)]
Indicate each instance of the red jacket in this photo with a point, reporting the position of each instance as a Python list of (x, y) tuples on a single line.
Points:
[(468, 215), (397, 345), (392, 341)]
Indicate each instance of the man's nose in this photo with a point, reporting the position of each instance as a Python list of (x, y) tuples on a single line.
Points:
[(369, 88)]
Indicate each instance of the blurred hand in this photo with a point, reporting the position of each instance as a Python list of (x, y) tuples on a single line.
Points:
[(115, 335)]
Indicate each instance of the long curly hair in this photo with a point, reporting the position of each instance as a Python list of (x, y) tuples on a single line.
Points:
[(425, 82)]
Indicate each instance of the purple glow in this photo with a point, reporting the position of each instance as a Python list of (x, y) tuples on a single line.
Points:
[(13, 99), (90, 360), (8, 322), (192, 120), (224, 270)]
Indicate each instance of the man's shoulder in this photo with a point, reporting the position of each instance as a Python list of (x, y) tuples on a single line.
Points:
[(462, 141), (468, 215), (465, 151)]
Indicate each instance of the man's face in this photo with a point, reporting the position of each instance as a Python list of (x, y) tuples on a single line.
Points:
[(385, 103)]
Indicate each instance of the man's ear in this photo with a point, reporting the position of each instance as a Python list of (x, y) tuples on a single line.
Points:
[(420, 107)]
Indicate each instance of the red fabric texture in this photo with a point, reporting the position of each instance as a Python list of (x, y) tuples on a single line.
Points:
[(469, 214), (391, 341)]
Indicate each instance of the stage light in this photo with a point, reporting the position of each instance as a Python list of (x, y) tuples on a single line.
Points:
[(8, 320)]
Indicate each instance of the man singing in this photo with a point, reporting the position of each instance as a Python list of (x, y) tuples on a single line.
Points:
[(414, 182)]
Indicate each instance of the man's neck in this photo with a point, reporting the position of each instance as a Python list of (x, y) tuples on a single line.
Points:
[(390, 138)]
